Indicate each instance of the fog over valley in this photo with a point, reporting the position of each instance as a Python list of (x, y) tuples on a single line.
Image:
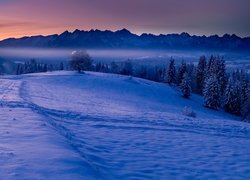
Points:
[(145, 57)]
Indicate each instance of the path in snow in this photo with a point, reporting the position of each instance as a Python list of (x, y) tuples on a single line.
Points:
[(29, 148), (130, 128), (123, 128)]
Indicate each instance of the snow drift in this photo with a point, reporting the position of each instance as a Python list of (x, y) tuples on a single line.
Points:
[(105, 126)]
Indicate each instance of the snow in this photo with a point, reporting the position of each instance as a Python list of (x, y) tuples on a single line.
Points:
[(104, 126), (29, 148)]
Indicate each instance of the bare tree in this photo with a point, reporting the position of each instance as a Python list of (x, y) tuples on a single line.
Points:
[(80, 61)]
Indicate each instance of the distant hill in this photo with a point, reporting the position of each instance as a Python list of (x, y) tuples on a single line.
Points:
[(122, 39)]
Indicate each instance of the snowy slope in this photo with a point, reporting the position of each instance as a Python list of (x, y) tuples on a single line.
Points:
[(104, 126)]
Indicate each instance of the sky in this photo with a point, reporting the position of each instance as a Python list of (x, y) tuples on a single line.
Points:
[(201, 17)]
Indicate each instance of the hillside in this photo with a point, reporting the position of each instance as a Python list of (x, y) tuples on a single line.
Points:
[(105, 126), (124, 39)]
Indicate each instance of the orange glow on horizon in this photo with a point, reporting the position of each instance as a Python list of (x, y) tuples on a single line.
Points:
[(45, 17)]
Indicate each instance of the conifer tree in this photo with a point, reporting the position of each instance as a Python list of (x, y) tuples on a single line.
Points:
[(233, 97), (171, 74), (181, 71), (210, 67), (185, 86), (246, 106), (200, 75), (212, 93), (221, 74), (244, 84)]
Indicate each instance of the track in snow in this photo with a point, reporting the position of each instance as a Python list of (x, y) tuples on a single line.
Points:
[(149, 145), (29, 147)]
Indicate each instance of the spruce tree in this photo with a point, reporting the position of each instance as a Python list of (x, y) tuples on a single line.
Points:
[(212, 93), (246, 106), (210, 66), (244, 84), (221, 74), (233, 97), (185, 86), (181, 71), (200, 75), (171, 74)]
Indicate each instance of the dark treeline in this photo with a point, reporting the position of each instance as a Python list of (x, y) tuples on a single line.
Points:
[(32, 66), (156, 73), (220, 89)]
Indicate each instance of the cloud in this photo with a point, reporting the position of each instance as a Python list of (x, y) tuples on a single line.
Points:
[(26, 24), (8, 24)]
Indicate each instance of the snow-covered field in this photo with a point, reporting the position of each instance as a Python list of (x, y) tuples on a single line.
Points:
[(64, 125)]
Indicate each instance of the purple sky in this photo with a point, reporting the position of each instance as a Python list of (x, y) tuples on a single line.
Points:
[(33, 17)]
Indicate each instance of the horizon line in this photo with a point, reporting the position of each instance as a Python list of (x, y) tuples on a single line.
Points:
[(117, 30)]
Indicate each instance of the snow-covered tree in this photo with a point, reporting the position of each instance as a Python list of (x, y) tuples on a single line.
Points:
[(171, 74), (213, 67), (244, 83), (200, 74), (233, 101), (185, 86), (221, 74), (210, 66), (80, 61), (245, 111), (191, 70), (180, 74), (212, 93)]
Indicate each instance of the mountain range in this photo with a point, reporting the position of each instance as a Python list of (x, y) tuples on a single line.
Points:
[(124, 39)]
